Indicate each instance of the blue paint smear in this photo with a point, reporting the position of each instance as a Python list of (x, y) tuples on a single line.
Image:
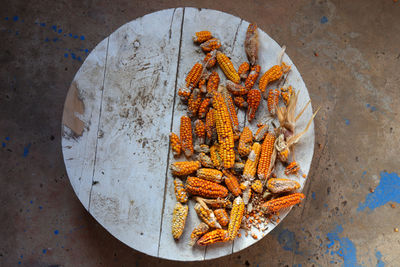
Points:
[(56, 232), (22, 256), (79, 59), (40, 207), (70, 35), (3, 144), (60, 31), (378, 256), (66, 55), (324, 20), (47, 40), (44, 251), (55, 39), (86, 50), (76, 36), (15, 18), (54, 27), (73, 56), (43, 24), (313, 195), (82, 37), (387, 191), (288, 240), (31, 201), (6, 18), (346, 250), (26, 150), (7, 138), (19, 262), (347, 121)]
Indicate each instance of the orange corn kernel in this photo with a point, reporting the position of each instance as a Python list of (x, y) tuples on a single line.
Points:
[(271, 75), (210, 124), (245, 142), (210, 59), (200, 130), (282, 185), (253, 100), (286, 93), (257, 186), (236, 89), (184, 94), (216, 236), (204, 188), (202, 36), (213, 83), (203, 108), (250, 168), (205, 160), (232, 183), (194, 102), (193, 77), (206, 215), (252, 77), (227, 67), (175, 145), (240, 102), (210, 45), (251, 43), (222, 217), (209, 174), (278, 204), (179, 219), (265, 162), (236, 217), (292, 168), (184, 167), (180, 192), (243, 70), (273, 100), (216, 203), (261, 132), (186, 136), (197, 232), (215, 156)]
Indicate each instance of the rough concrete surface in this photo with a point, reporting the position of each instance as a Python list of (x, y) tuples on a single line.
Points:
[(349, 57)]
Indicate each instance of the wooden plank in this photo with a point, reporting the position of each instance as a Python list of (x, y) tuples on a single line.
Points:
[(80, 121), (129, 177)]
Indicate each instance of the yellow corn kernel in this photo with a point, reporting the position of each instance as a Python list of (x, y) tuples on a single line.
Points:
[(243, 70), (222, 217), (193, 77), (275, 205), (197, 232), (204, 188), (286, 93), (261, 132), (282, 185), (257, 186), (292, 168), (240, 102), (202, 36), (206, 215), (179, 219), (203, 108), (252, 77), (186, 136), (200, 130), (175, 145), (182, 168), (194, 102), (215, 156), (236, 217), (272, 101), (211, 45), (213, 83), (251, 43), (265, 163), (250, 168), (253, 101), (271, 75), (180, 192), (236, 89), (232, 183), (224, 130), (231, 108), (216, 236), (210, 124), (227, 67), (210, 59), (209, 174), (245, 142)]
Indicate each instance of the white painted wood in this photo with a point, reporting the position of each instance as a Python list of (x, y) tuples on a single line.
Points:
[(128, 161), (79, 151)]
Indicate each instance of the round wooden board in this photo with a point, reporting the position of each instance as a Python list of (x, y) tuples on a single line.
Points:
[(119, 112)]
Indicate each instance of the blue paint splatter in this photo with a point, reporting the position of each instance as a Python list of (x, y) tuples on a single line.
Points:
[(347, 121), (372, 108), (378, 256), (288, 240), (76, 36), (15, 18), (70, 35), (79, 59), (56, 232), (313, 195), (385, 192), (55, 39), (346, 250), (31, 201), (73, 56), (26, 150), (44, 251), (82, 37), (54, 27), (3, 144), (60, 31), (21, 256), (7, 138), (324, 20), (47, 40), (40, 207), (86, 50), (66, 55), (6, 18), (19, 262), (43, 24)]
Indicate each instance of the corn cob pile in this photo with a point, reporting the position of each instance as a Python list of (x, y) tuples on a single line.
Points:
[(229, 172)]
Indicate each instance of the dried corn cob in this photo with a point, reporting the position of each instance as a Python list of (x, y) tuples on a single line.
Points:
[(203, 108), (180, 192), (238, 168), (240, 102), (216, 236), (278, 204), (222, 217), (186, 136), (206, 215), (213, 83), (204, 188), (184, 94), (193, 77), (271, 75), (212, 175), (250, 168), (257, 186), (202, 148), (251, 43), (236, 217), (194, 102), (197, 232), (224, 131), (286, 93), (261, 132), (202, 85), (282, 185), (282, 148), (245, 142), (253, 100), (215, 203), (236, 89), (210, 124), (231, 108), (246, 192), (252, 77), (210, 45), (273, 99), (243, 70), (200, 130), (292, 168), (232, 183), (179, 219), (266, 158), (210, 59), (205, 160), (227, 67), (184, 167), (202, 36), (175, 145), (215, 156)]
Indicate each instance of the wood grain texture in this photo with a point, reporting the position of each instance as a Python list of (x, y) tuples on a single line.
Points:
[(120, 163)]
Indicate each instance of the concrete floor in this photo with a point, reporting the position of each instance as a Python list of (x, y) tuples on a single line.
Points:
[(349, 57)]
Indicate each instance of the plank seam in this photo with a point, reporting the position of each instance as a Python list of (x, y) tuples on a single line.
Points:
[(98, 127), (172, 123)]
